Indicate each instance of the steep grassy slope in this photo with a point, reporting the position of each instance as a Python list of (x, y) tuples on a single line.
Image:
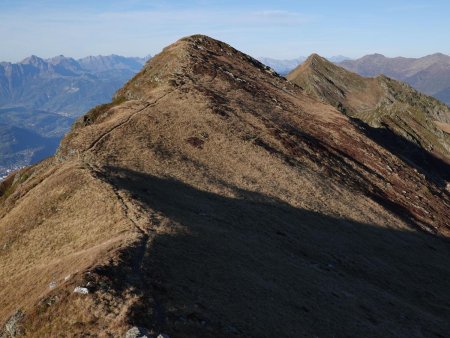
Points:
[(388, 107), (429, 74), (215, 199)]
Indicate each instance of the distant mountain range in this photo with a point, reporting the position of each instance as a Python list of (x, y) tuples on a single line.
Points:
[(429, 74), (39, 100), (64, 85), (283, 67)]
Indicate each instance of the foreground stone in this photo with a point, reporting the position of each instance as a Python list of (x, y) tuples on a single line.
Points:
[(138, 332)]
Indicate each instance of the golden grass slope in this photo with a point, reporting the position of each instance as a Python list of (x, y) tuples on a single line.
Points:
[(216, 199)]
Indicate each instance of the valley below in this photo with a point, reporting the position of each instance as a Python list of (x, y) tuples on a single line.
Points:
[(40, 99)]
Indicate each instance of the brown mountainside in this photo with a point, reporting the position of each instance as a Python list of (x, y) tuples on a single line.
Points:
[(396, 115), (429, 74), (213, 198)]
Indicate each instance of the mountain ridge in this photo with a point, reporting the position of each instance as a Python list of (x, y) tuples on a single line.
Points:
[(284, 66), (429, 74), (382, 103), (213, 197)]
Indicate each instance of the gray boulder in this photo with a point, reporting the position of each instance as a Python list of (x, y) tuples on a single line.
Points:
[(138, 332)]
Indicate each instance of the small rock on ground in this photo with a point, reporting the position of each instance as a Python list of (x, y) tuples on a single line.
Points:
[(83, 291), (138, 332), (12, 326)]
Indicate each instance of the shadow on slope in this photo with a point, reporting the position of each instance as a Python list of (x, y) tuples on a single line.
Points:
[(435, 169), (255, 266)]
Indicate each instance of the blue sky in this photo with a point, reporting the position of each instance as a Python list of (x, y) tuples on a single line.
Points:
[(279, 29)]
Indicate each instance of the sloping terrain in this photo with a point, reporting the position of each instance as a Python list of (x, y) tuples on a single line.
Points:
[(213, 198), (429, 74), (394, 114)]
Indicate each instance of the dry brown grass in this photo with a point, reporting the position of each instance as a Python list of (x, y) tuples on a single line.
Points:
[(287, 219), (443, 126), (60, 227)]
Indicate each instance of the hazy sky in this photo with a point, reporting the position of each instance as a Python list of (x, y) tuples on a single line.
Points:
[(280, 29)]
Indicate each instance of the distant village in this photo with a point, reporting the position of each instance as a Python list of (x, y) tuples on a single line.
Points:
[(5, 172)]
